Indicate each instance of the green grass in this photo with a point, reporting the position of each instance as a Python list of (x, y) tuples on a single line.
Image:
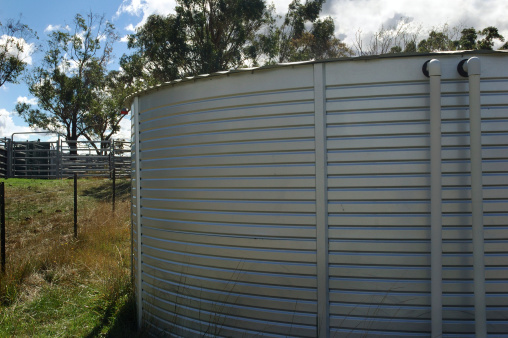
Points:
[(59, 286)]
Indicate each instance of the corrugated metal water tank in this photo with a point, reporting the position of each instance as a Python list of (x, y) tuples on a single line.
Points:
[(294, 201)]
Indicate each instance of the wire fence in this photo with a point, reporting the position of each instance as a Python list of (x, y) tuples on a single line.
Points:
[(39, 215)]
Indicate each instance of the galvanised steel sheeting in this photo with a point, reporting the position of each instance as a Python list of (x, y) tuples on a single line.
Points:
[(228, 205), (378, 180), (295, 200)]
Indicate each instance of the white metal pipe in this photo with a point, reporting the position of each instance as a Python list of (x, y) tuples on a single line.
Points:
[(474, 70), (436, 245)]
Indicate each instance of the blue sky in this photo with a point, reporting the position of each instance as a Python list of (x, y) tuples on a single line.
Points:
[(39, 15), (350, 17)]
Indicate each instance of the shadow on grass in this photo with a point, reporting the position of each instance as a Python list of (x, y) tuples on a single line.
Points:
[(123, 324), (104, 191)]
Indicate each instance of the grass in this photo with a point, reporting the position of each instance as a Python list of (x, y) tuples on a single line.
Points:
[(56, 285)]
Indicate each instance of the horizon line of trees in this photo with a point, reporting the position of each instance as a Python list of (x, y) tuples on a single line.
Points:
[(78, 95)]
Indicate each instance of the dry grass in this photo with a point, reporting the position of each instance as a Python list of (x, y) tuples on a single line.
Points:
[(58, 284)]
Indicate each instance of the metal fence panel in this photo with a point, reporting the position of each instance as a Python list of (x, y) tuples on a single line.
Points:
[(4, 157), (34, 159), (50, 160), (95, 158)]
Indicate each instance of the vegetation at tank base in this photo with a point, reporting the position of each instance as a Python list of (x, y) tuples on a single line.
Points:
[(58, 286)]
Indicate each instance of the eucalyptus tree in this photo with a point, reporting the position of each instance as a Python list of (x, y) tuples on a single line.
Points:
[(203, 36), (301, 35), (16, 50), (71, 78), (405, 38)]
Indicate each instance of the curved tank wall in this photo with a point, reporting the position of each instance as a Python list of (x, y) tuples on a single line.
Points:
[(295, 200)]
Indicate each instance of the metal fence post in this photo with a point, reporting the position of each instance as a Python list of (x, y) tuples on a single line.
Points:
[(75, 205), (114, 186), (57, 159), (11, 159), (8, 148)]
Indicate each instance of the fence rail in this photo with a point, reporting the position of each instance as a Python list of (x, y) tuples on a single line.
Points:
[(61, 159)]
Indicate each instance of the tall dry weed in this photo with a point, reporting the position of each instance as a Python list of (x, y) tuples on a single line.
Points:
[(42, 251)]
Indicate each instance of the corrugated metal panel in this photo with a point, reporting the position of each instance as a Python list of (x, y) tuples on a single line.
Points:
[(378, 180), (228, 206), (378, 175), (233, 168)]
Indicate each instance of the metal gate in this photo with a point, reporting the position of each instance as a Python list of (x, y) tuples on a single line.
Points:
[(61, 158), (4, 163), (34, 159)]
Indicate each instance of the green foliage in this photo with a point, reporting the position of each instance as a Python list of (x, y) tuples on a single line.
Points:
[(490, 34), (217, 31), (444, 39), (409, 48), (467, 39), (395, 49), (436, 41), (293, 41), (70, 82), (294, 25), (318, 43), (472, 39), (161, 49), (14, 50), (204, 36)]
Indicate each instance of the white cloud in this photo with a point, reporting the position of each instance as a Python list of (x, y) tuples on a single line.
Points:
[(132, 8), (145, 8), (24, 99), (369, 15), (125, 129), (130, 28), (281, 6), (124, 39), (17, 47), (51, 28), (7, 125), (68, 65)]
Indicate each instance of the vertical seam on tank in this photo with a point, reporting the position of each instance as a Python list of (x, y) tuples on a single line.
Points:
[(138, 213), (323, 317)]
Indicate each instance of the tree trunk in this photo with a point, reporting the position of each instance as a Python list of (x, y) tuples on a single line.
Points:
[(73, 146)]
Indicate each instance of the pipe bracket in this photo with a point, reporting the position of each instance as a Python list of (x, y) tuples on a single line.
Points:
[(431, 68), (425, 68), (462, 68)]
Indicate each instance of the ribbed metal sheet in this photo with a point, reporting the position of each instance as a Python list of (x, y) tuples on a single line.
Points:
[(379, 199), (232, 208), (228, 210)]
